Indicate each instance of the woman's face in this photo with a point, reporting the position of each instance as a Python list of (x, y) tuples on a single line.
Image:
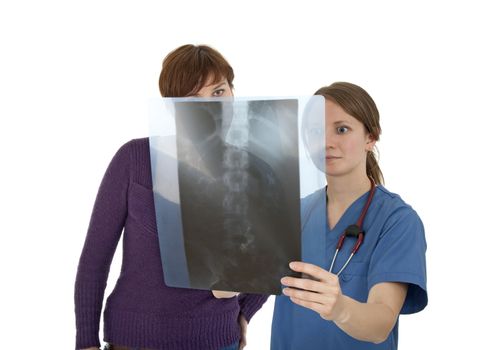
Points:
[(218, 89), (346, 143)]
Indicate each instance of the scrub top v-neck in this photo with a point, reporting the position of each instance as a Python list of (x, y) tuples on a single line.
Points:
[(393, 251)]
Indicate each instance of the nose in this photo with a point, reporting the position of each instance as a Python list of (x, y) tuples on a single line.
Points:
[(330, 138)]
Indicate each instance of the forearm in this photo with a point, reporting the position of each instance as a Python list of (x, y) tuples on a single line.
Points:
[(106, 224), (371, 322)]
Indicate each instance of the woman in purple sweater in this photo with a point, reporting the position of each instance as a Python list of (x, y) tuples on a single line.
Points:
[(142, 312)]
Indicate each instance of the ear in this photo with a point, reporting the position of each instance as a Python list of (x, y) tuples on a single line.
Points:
[(370, 143)]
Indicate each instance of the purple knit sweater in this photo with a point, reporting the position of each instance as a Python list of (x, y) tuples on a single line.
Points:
[(142, 311)]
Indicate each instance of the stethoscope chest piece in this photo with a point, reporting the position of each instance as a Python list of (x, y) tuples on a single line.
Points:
[(352, 231)]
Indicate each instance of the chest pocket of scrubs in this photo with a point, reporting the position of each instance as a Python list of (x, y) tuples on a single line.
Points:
[(354, 281)]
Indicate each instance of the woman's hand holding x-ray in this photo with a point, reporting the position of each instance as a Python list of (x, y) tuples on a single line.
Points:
[(220, 294), (321, 293)]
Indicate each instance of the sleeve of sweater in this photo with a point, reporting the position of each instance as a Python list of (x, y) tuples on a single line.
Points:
[(106, 224), (250, 304)]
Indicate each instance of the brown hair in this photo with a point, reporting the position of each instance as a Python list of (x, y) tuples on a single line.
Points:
[(187, 68), (355, 101)]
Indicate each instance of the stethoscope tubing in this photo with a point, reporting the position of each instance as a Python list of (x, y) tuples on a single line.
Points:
[(354, 230)]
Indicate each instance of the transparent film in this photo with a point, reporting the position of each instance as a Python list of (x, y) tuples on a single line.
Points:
[(229, 179)]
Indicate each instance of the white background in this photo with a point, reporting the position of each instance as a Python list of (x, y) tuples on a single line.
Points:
[(76, 77)]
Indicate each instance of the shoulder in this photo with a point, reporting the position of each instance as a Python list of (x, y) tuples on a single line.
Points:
[(135, 144), (394, 209), (389, 201), (133, 149), (313, 197), (312, 202), (132, 158)]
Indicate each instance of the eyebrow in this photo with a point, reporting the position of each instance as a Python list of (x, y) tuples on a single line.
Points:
[(220, 85), (341, 122)]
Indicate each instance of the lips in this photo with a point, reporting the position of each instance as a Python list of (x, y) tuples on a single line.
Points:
[(331, 157)]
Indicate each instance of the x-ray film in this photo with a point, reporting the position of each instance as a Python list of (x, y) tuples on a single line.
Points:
[(228, 179)]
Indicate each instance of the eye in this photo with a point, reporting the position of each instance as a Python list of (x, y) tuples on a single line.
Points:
[(342, 129), (218, 92)]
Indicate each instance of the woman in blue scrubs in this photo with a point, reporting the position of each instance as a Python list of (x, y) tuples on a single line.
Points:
[(359, 308)]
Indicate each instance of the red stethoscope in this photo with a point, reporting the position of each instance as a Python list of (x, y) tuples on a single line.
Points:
[(354, 230)]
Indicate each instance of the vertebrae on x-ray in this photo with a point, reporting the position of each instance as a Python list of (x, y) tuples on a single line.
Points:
[(235, 177)]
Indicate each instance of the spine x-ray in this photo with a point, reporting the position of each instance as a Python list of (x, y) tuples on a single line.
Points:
[(227, 194)]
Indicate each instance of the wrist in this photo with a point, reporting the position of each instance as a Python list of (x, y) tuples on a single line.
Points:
[(343, 314)]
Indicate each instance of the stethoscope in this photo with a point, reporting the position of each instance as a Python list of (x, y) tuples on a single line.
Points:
[(354, 230)]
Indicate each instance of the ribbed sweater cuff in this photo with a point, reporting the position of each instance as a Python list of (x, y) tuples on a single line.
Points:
[(88, 306), (250, 304)]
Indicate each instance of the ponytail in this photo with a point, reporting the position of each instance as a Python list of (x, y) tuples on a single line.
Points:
[(373, 169)]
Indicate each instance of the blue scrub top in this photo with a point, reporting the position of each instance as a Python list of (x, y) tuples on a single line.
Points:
[(393, 251)]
